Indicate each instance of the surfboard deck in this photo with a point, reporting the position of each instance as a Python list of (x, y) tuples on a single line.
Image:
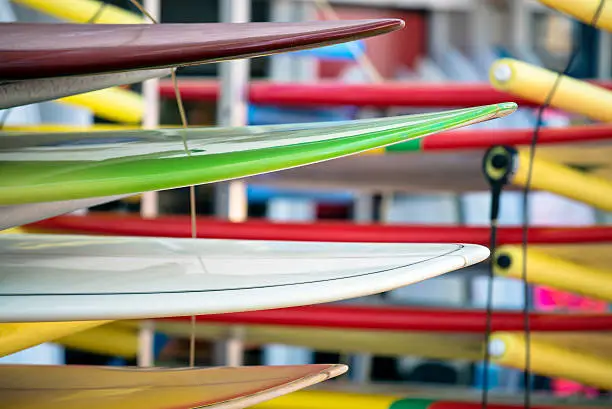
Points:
[(74, 386), (73, 278), (585, 245), (70, 166), (32, 50)]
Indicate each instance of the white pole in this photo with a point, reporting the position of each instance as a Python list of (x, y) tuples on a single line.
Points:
[(146, 347), (231, 197), (149, 206), (520, 27)]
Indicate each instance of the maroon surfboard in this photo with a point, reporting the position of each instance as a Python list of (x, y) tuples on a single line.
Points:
[(30, 51)]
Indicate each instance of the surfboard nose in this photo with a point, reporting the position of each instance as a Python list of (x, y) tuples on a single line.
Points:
[(506, 108), (477, 254)]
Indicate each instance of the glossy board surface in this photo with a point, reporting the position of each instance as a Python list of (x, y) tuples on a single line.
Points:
[(76, 387), (64, 278), (35, 50), (17, 215), (69, 166), (23, 92)]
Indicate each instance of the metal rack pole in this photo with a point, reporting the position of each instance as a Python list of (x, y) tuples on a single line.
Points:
[(231, 197), (149, 203)]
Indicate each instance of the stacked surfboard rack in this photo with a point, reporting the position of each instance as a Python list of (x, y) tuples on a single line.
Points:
[(77, 288)]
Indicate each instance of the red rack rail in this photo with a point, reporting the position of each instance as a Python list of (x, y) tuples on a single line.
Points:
[(405, 94), (410, 319), (180, 226)]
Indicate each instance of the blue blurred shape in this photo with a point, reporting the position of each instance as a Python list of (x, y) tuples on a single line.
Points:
[(271, 115), (261, 194), (342, 52)]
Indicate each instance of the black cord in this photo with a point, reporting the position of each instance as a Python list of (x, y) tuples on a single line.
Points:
[(495, 195), (497, 178), (525, 202), (497, 167)]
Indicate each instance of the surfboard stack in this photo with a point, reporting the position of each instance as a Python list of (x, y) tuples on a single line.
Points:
[(434, 334), (57, 285)]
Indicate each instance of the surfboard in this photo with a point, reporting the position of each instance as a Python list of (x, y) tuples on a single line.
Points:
[(75, 386), (72, 278), (32, 50), (74, 166), (34, 63), (23, 92), (428, 161), (562, 241), (11, 216), (15, 337), (585, 246)]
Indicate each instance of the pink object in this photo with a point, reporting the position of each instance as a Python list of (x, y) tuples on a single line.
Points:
[(551, 300)]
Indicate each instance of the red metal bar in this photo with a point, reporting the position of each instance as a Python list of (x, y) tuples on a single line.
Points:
[(410, 319), (180, 226), (406, 94), (483, 138)]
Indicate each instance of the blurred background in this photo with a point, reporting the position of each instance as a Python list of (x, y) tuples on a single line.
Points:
[(445, 42)]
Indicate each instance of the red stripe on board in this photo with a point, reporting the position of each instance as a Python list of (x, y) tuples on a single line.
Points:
[(409, 319), (424, 95), (485, 138), (180, 226)]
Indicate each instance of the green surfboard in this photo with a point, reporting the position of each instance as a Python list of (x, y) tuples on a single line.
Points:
[(43, 167)]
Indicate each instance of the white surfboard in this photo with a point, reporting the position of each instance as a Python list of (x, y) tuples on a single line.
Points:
[(71, 278), (17, 93), (17, 215)]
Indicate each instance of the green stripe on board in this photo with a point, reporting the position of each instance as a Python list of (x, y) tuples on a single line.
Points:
[(412, 403), (413, 145)]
